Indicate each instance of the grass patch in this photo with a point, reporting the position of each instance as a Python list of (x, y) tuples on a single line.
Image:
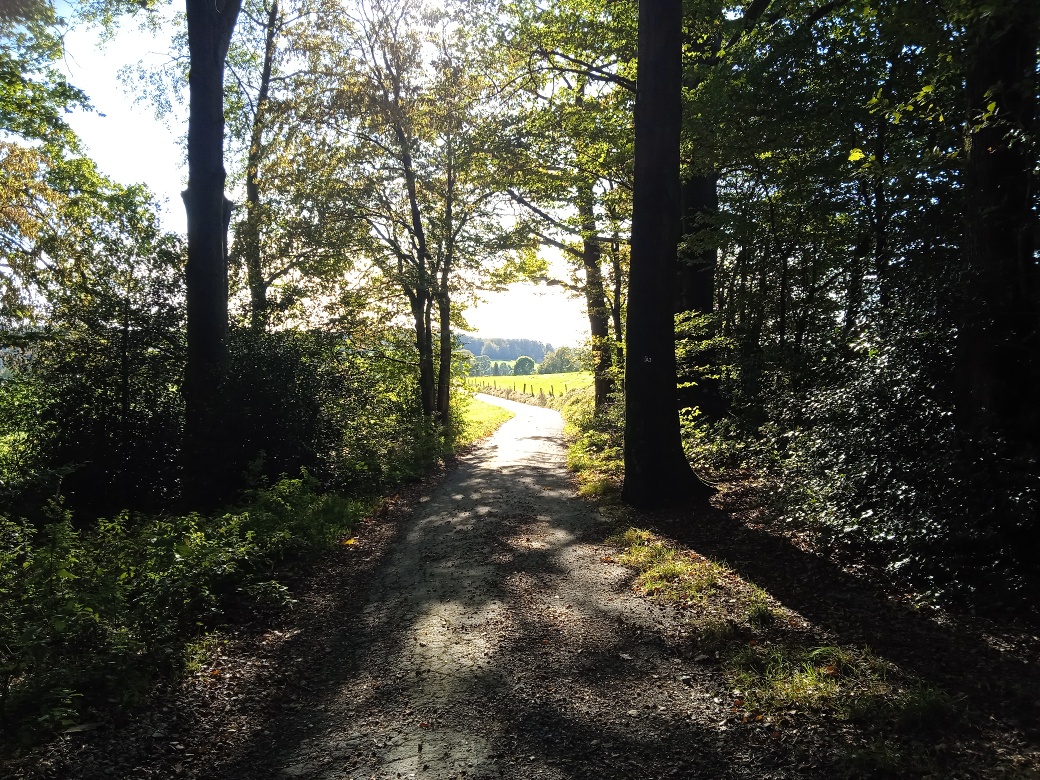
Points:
[(596, 454), (917, 709), (774, 668), (665, 571), (780, 677), (758, 611), (597, 461), (480, 420)]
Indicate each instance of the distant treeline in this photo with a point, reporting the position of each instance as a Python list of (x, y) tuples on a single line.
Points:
[(505, 349)]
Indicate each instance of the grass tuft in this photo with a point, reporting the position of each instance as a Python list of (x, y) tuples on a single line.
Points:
[(664, 571)]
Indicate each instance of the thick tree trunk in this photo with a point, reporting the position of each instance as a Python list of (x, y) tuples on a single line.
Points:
[(999, 338), (210, 25), (595, 298), (656, 470), (255, 279)]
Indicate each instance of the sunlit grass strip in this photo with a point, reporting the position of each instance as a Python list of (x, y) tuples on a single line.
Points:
[(598, 464), (665, 571), (779, 676), (480, 421), (767, 666)]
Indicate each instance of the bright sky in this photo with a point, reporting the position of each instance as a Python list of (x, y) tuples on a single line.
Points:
[(131, 145)]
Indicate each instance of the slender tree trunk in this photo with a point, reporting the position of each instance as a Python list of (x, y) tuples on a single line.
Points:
[(615, 304), (425, 280), (781, 316), (444, 292), (210, 25), (124, 400), (444, 372), (421, 316), (258, 284), (999, 337), (882, 253), (656, 470), (595, 297)]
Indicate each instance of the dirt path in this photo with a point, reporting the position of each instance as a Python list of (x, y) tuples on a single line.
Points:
[(478, 628), (497, 643)]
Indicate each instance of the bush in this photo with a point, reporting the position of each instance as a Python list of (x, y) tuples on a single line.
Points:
[(524, 366)]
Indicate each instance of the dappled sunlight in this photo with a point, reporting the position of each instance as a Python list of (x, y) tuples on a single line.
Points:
[(504, 638)]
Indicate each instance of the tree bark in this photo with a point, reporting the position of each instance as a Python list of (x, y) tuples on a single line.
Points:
[(210, 25), (444, 370), (447, 261), (656, 470), (700, 204)]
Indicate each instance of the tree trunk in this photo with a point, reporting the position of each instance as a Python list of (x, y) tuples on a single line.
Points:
[(258, 284), (420, 303), (998, 342), (447, 261), (444, 374), (210, 25), (595, 298), (615, 304), (656, 470)]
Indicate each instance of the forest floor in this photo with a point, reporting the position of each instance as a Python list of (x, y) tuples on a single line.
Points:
[(480, 626)]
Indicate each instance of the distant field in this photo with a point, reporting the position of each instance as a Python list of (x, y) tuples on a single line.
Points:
[(554, 384)]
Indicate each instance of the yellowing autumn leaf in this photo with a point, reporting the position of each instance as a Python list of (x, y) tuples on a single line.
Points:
[(857, 154)]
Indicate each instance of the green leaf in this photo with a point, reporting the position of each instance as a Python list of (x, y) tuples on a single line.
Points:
[(857, 154)]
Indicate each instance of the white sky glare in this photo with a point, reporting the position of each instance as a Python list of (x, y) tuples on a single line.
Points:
[(125, 139), (131, 146)]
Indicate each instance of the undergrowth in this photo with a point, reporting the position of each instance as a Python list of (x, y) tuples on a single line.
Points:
[(596, 453), (89, 616)]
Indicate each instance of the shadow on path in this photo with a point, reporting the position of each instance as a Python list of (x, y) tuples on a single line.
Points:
[(496, 642)]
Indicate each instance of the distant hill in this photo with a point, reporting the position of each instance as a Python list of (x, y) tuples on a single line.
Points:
[(505, 349)]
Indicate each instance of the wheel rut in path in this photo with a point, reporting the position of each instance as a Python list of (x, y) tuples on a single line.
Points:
[(498, 642)]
